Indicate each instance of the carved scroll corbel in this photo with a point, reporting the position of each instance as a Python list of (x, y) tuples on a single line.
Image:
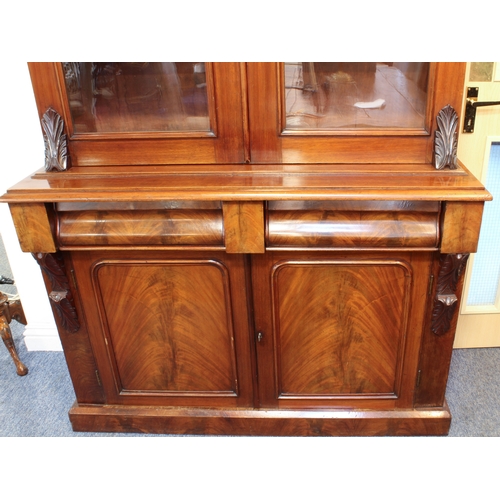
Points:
[(445, 141), (56, 150), (445, 301), (60, 296)]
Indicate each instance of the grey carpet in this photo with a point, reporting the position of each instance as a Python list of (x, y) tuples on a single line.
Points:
[(38, 404)]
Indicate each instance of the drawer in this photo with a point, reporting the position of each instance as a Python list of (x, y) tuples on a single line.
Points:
[(140, 225), (358, 224)]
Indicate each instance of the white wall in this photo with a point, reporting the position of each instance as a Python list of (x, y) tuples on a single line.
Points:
[(22, 154)]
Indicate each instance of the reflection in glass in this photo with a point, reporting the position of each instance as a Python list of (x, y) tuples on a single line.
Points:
[(343, 95), (137, 96)]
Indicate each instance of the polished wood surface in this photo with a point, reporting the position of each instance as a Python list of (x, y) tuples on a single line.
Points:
[(168, 328), (366, 182), (395, 206), (338, 329), (270, 144), (261, 423), (77, 348), (461, 226), (139, 205), (244, 226), (436, 350), (224, 144), (352, 229), (11, 308), (251, 279), (347, 319), (141, 228), (164, 337), (33, 227)]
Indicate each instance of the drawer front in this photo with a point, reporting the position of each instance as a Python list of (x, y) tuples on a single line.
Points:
[(95, 228), (355, 225)]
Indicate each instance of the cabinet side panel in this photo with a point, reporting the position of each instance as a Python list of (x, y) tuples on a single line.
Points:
[(33, 227), (436, 349), (46, 87), (461, 226), (77, 348)]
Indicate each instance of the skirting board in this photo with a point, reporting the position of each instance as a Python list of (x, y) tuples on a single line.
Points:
[(40, 338)]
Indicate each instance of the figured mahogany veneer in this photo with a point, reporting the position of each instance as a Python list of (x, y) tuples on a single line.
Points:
[(170, 336), (140, 228), (33, 227), (352, 225), (250, 279), (153, 351), (340, 319), (261, 422), (270, 182)]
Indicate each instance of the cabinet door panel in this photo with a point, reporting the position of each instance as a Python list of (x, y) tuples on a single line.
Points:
[(337, 113), (130, 114), (165, 331), (347, 318), (340, 329)]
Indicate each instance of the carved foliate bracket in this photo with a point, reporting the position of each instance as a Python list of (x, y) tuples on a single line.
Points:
[(60, 296), (56, 150), (445, 300), (445, 141)]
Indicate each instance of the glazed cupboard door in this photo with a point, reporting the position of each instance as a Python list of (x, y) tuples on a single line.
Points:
[(341, 112), (125, 114), (169, 328), (339, 329)]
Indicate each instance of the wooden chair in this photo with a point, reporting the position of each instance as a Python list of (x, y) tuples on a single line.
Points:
[(11, 308)]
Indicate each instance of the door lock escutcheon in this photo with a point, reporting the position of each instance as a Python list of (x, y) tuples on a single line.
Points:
[(470, 108)]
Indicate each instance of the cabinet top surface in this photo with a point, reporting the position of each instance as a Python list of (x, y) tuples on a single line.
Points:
[(251, 182)]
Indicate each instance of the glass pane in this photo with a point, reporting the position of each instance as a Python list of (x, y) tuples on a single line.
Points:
[(137, 97), (485, 276), (355, 95)]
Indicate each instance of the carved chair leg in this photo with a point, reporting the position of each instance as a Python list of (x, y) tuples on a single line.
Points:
[(6, 335), (8, 311), (17, 311)]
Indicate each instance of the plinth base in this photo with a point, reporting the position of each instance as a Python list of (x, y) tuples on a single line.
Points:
[(245, 422)]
